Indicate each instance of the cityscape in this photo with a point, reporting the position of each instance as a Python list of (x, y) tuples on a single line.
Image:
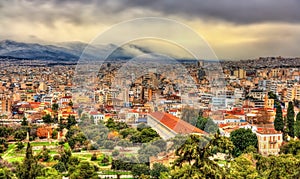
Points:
[(140, 99)]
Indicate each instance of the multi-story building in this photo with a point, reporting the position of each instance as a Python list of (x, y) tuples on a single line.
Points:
[(5, 106), (240, 73), (269, 141), (258, 93), (297, 92)]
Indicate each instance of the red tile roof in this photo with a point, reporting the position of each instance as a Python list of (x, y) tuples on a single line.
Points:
[(236, 111), (223, 125), (34, 104), (175, 123), (173, 110), (262, 130)]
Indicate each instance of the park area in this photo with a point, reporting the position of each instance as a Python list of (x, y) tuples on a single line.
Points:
[(101, 159)]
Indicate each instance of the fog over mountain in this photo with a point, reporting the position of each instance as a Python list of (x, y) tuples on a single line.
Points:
[(68, 51)]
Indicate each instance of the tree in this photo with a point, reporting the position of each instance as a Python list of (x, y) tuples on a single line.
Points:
[(94, 157), (54, 134), (201, 122), (291, 147), (115, 153), (73, 161), (127, 132), (20, 134), (110, 123), (84, 170), (207, 125), (250, 149), (241, 139), (243, 167), (211, 127), (144, 136), (59, 167), (278, 122), (70, 103), (24, 122), (160, 143), (124, 143), (3, 145), (271, 95), (146, 151), (47, 119), (5, 131), (71, 121), (157, 169), (290, 119), (176, 142), (20, 146), (55, 108), (61, 125), (140, 169), (282, 166), (50, 173), (121, 125), (108, 144), (297, 126), (75, 137), (194, 157), (65, 156), (29, 168), (148, 134), (5, 173), (105, 160), (190, 115), (44, 154)]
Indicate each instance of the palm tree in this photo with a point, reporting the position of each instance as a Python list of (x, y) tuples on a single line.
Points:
[(194, 157)]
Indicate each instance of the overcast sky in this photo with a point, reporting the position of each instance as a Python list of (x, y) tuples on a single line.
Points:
[(235, 29)]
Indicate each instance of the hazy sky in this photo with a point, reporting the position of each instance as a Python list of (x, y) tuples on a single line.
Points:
[(234, 28)]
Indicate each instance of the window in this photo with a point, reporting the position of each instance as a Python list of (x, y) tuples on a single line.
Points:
[(278, 137), (264, 138)]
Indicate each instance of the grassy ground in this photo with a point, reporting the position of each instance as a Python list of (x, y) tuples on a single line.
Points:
[(14, 155)]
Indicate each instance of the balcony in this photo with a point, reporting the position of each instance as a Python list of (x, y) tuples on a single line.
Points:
[(273, 142)]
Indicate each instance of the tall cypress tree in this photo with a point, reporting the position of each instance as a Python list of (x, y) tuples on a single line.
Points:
[(297, 126), (291, 119), (29, 168), (278, 122)]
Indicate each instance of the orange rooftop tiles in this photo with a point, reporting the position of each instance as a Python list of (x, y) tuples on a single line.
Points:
[(176, 124)]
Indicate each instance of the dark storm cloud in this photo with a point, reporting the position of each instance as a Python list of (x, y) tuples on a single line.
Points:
[(89, 11), (48, 12), (237, 11)]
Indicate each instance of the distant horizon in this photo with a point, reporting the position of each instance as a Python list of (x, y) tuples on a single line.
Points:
[(60, 44)]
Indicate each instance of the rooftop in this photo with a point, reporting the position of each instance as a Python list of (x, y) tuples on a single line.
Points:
[(176, 124)]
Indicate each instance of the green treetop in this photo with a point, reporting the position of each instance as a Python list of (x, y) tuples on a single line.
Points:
[(278, 122), (290, 119)]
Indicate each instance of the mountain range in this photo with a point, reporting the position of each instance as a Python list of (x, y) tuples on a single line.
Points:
[(67, 51)]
